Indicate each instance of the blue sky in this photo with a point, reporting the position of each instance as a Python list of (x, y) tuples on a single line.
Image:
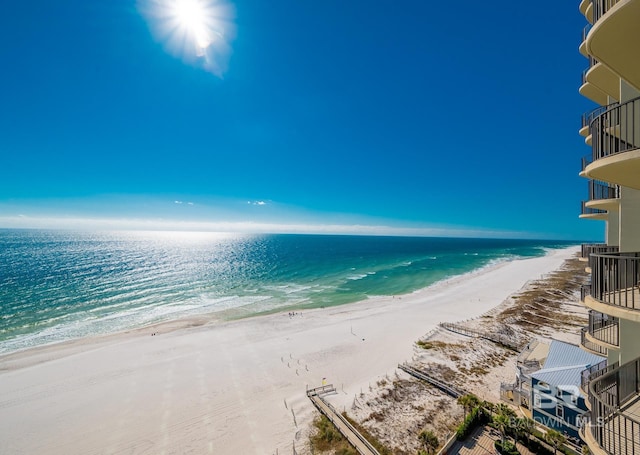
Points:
[(430, 117)]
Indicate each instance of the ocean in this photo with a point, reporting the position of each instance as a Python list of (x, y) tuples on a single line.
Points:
[(61, 285)]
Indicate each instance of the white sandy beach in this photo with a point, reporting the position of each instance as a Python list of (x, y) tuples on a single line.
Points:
[(226, 388)]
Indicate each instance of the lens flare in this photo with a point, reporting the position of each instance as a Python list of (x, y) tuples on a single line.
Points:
[(198, 31)]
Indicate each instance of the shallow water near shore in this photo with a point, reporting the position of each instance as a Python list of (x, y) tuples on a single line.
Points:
[(60, 285)]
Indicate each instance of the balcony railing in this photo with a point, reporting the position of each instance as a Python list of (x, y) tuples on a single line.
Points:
[(588, 117), (587, 248), (590, 210), (590, 345), (586, 161), (600, 8), (597, 248), (604, 328), (594, 372), (585, 290), (601, 190), (616, 130), (585, 32), (613, 425), (615, 279)]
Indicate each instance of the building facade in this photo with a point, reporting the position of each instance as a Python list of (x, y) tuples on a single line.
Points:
[(611, 43), (547, 387)]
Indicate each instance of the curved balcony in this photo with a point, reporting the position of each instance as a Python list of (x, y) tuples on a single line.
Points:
[(592, 213), (591, 346), (585, 161), (616, 145), (583, 43), (587, 249), (615, 285), (590, 91), (601, 7), (585, 290), (603, 196), (603, 329), (588, 117), (602, 78), (599, 249), (594, 372), (586, 8), (614, 402), (614, 36)]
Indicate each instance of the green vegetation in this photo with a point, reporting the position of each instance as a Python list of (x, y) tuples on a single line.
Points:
[(506, 448), (477, 416), (503, 420), (429, 441), (555, 439), (328, 438), (468, 402), (381, 448)]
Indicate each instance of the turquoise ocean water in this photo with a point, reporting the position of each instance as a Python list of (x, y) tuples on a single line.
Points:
[(59, 285)]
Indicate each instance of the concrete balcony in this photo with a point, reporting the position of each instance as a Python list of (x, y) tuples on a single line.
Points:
[(586, 8), (591, 346), (615, 285), (594, 372), (591, 91), (603, 79), (596, 248), (587, 118), (592, 213), (616, 145), (603, 196), (614, 401), (603, 329), (583, 43), (614, 37)]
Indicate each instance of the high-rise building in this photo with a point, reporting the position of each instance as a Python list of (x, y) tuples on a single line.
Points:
[(611, 42)]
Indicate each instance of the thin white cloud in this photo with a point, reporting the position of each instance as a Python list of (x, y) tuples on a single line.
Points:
[(251, 227), (177, 202)]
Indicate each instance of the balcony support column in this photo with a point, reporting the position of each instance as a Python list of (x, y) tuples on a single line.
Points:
[(629, 339), (627, 92), (612, 229), (629, 220)]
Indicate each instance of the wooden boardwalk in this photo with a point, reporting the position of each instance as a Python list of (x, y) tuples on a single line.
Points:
[(502, 340), (450, 390), (347, 430)]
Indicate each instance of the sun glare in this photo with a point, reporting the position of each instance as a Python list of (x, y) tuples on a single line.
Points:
[(192, 16), (198, 31)]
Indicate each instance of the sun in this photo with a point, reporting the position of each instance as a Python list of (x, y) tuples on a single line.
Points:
[(193, 17), (198, 31)]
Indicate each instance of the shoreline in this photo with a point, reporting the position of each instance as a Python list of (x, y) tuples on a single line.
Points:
[(222, 317), (232, 387)]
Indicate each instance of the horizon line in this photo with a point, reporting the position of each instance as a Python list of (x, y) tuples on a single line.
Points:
[(250, 227)]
